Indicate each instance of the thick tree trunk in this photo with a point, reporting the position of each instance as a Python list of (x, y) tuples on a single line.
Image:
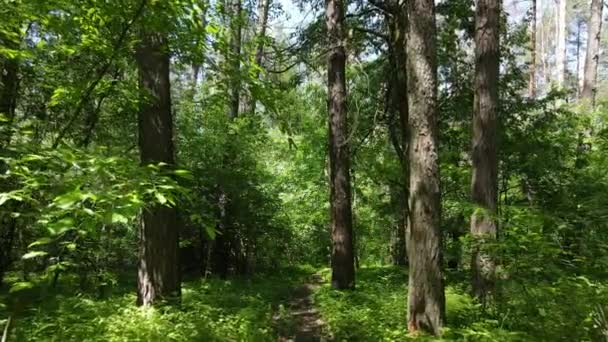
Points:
[(158, 275), (593, 50), (342, 257), (426, 298), (560, 46), (484, 185), (532, 80), (9, 84)]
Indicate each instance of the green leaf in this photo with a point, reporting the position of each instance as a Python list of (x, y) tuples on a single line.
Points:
[(21, 285), (210, 232), (33, 254), (160, 198), (41, 241), (119, 218)]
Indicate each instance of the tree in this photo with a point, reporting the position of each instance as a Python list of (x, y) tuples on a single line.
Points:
[(342, 256), (532, 81), (484, 184), (426, 298), (158, 274), (593, 49), (560, 46), (398, 106)]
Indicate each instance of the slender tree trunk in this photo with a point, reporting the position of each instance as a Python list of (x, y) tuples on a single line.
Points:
[(484, 185), (426, 298), (262, 24), (560, 53), (578, 56), (593, 50), (532, 81), (342, 257), (158, 275), (235, 57), (398, 106)]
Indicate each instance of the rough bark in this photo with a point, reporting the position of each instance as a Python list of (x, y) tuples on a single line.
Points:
[(158, 274), (560, 46), (484, 184), (532, 80), (9, 85), (398, 106), (426, 298), (593, 50), (342, 257)]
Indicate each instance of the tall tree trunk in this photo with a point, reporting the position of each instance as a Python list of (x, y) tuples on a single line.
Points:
[(9, 84), (579, 65), (532, 81), (158, 275), (426, 298), (593, 50), (262, 24), (560, 46), (342, 256), (484, 185), (543, 49), (398, 106), (235, 57)]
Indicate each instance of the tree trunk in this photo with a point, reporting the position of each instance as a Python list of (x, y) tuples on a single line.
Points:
[(578, 58), (593, 50), (560, 53), (235, 58), (532, 81), (342, 257), (398, 106), (158, 275), (9, 85), (484, 184), (426, 298), (263, 8)]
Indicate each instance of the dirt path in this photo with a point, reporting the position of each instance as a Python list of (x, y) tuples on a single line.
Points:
[(302, 313)]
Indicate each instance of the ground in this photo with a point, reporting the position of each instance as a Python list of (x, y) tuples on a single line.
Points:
[(294, 304)]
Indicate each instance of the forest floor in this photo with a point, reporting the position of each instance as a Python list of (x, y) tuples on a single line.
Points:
[(304, 315), (291, 304)]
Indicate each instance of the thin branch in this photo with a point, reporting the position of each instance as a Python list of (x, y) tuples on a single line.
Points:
[(102, 72)]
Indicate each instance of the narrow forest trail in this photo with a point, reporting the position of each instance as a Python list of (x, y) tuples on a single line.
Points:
[(306, 320)]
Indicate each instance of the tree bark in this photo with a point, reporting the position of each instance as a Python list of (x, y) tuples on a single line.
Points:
[(484, 184), (158, 274), (593, 50), (235, 58), (9, 90), (262, 24), (342, 258), (532, 81), (398, 106), (560, 53), (426, 298)]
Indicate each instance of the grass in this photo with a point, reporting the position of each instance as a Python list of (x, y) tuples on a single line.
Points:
[(566, 309), (212, 310)]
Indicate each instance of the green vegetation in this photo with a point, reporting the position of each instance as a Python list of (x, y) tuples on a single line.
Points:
[(185, 170)]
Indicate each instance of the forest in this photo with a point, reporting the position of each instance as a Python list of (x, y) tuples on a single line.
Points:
[(303, 170)]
